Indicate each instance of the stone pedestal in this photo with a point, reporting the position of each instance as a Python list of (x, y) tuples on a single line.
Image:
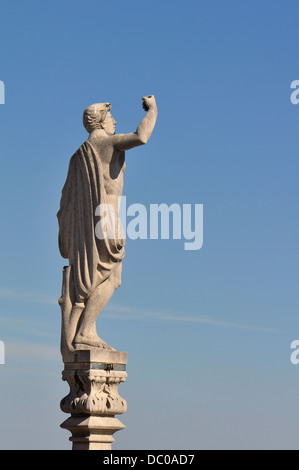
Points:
[(93, 401)]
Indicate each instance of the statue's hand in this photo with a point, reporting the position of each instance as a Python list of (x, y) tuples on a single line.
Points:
[(148, 102)]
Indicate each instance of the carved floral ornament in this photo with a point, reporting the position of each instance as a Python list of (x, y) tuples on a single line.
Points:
[(94, 392)]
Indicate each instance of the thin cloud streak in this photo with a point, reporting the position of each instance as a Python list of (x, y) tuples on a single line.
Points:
[(25, 351), (116, 312), (163, 316), (21, 296), (217, 323)]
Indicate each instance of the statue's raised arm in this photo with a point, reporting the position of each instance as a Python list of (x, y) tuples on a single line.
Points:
[(144, 129)]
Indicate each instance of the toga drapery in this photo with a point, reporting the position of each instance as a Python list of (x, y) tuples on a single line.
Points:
[(92, 260)]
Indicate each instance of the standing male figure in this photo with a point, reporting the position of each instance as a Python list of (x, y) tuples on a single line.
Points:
[(95, 177)]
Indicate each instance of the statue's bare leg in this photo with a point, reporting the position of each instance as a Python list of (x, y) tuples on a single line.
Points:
[(74, 319), (86, 332)]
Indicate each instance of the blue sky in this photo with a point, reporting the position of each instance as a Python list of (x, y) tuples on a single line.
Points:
[(207, 332)]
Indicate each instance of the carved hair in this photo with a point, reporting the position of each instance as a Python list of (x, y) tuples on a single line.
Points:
[(95, 115)]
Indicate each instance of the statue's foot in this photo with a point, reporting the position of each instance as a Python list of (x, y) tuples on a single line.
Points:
[(84, 343), (87, 346)]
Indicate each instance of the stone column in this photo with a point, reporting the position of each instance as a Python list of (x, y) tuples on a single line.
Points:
[(93, 401)]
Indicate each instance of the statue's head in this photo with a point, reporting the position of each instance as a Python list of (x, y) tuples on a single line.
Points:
[(98, 116)]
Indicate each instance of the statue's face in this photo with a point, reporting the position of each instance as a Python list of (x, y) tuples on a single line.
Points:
[(109, 124)]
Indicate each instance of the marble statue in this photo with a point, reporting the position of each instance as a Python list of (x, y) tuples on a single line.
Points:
[(95, 177)]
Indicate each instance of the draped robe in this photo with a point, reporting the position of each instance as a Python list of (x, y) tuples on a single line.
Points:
[(92, 259)]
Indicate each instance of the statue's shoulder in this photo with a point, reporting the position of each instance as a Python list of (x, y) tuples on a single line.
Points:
[(84, 147)]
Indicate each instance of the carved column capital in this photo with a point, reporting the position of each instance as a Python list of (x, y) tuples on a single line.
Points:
[(93, 400)]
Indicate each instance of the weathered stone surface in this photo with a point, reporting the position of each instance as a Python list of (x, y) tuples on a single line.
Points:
[(97, 356), (94, 391), (92, 432)]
